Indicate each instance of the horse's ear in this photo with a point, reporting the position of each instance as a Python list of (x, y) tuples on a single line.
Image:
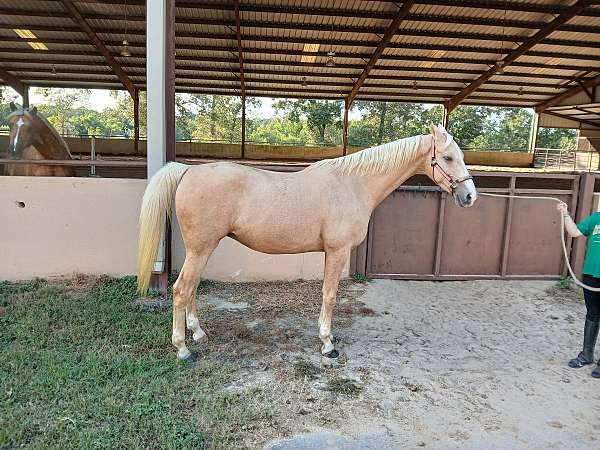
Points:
[(33, 111), (13, 107)]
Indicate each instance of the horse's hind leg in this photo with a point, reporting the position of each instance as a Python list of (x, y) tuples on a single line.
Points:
[(192, 322), (184, 294), (335, 260)]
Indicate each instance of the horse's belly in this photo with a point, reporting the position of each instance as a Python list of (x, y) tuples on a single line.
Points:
[(278, 239)]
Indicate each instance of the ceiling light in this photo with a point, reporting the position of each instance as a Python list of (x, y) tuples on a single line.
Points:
[(433, 54), (415, 86), (520, 90), (28, 34), (500, 66), (310, 48), (125, 50), (330, 59), (38, 45), (25, 34), (304, 81), (54, 70)]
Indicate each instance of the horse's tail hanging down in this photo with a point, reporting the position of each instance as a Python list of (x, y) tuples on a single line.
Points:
[(156, 205)]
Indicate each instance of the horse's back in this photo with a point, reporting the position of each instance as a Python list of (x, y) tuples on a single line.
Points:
[(272, 212)]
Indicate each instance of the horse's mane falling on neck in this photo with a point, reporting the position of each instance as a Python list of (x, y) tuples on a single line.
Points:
[(384, 158), (43, 127)]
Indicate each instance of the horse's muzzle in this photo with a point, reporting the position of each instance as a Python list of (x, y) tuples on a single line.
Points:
[(465, 194)]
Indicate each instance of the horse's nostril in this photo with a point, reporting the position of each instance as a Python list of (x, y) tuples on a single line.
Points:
[(469, 198)]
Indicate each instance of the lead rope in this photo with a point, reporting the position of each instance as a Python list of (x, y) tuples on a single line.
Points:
[(562, 226)]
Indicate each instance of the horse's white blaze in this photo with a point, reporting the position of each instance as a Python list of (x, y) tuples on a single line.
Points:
[(20, 123)]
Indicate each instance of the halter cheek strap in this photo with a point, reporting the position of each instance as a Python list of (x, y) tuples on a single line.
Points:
[(453, 182)]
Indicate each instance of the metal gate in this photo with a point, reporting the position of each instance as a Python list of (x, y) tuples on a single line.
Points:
[(419, 233)]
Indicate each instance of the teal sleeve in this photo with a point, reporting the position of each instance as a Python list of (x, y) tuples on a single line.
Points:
[(587, 226)]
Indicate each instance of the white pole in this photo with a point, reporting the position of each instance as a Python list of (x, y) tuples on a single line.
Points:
[(93, 155), (155, 91)]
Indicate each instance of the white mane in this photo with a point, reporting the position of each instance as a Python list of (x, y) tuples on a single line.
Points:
[(383, 158), (59, 138)]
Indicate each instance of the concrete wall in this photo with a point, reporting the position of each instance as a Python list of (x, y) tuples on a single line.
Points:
[(124, 147), (499, 159), (89, 225)]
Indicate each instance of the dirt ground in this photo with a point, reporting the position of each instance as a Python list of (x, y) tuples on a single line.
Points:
[(478, 364)]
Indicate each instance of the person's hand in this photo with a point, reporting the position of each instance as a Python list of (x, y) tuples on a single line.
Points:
[(563, 208)]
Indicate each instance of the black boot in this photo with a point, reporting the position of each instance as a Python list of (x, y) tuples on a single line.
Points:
[(596, 371), (590, 333)]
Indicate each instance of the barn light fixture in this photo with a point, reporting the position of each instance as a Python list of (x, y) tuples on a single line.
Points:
[(415, 86), (330, 59), (125, 48), (520, 90), (54, 70), (500, 63), (304, 81)]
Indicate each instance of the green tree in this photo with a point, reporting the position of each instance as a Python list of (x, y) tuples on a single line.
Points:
[(565, 138), (277, 130), (382, 122), (118, 119), (467, 123), (505, 129), (59, 106), (323, 117)]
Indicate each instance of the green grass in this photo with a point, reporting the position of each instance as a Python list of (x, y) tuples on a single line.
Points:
[(343, 386), (360, 278), (306, 370), (564, 282), (82, 367)]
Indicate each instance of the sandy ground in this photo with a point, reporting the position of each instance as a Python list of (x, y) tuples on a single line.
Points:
[(479, 364)]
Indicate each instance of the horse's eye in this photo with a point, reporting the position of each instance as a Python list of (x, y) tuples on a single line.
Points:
[(447, 158)]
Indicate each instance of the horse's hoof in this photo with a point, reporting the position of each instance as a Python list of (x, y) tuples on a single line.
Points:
[(190, 360), (332, 354)]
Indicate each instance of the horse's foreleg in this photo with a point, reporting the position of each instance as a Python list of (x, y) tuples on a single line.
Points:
[(335, 260), (184, 294)]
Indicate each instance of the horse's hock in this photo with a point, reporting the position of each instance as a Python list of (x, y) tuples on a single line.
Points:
[(57, 226)]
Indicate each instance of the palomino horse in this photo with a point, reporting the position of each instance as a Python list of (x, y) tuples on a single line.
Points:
[(325, 207), (32, 137)]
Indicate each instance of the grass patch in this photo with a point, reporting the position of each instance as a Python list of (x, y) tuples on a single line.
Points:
[(82, 367), (343, 386), (306, 370), (565, 283), (360, 278)]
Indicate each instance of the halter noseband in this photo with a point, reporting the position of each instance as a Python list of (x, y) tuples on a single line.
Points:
[(434, 163)]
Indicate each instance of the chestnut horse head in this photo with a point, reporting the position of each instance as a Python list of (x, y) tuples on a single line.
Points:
[(33, 137)]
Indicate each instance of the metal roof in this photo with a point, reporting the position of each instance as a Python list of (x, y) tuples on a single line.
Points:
[(438, 50)]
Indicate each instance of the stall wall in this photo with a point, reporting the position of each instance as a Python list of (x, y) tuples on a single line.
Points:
[(60, 226)]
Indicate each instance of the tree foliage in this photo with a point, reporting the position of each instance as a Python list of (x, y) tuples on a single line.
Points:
[(216, 118)]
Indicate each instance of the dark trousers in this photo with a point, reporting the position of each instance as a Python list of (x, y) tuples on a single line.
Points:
[(592, 299)]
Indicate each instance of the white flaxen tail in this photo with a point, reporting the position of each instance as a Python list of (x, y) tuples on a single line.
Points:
[(156, 206)]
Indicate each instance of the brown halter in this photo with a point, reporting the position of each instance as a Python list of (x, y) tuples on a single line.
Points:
[(434, 163)]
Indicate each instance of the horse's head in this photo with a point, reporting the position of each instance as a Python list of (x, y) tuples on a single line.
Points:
[(21, 135), (446, 167)]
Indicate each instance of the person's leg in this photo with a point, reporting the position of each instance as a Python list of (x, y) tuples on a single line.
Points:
[(592, 324)]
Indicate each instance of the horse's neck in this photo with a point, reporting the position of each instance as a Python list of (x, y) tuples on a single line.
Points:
[(374, 188), (48, 144)]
